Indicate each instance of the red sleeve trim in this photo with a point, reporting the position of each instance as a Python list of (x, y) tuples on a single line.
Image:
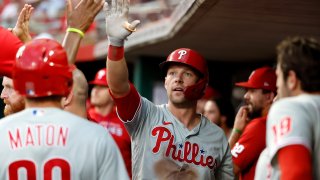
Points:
[(127, 105), (295, 162)]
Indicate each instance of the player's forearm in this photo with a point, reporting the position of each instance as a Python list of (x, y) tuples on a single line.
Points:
[(234, 137), (71, 43), (117, 74), (118, 29)]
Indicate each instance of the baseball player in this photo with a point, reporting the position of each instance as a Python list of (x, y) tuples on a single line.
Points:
[(221, 112), (172, 130), (104, 113), (293, 126), (43, 141), (249, 131)]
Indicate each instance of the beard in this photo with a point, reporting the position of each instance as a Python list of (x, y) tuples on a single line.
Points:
[(255, 113), (12, 108)]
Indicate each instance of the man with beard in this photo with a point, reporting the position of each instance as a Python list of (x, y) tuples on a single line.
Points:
[(14, 102), (249, 131)]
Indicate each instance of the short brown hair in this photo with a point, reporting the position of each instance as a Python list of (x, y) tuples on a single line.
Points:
[(301, 55)]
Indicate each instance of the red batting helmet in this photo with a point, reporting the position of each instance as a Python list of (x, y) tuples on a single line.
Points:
[(42, 69), (100, 78), (195, 61)]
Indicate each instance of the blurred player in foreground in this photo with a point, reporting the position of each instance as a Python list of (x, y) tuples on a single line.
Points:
[(293, 126)]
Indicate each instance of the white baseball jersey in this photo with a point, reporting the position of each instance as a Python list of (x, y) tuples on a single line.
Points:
[(49, 143), (294, 121), (263, 167), (157, 134)]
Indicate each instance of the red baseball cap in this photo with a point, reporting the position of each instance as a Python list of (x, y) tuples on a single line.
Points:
[(9, 47), (210, 92), (100, 78), (261, 78)]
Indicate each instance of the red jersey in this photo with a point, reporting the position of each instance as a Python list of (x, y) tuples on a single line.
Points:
[(9, 47), (117, 130), (246, 152)]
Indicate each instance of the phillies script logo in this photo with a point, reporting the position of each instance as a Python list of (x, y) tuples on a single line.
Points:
[(181, 154)]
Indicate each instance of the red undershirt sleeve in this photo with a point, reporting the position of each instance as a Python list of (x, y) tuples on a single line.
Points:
[(128, 104), (295, 163)]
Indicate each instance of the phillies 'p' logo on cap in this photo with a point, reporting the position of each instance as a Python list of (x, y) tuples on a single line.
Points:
[(182, 53)]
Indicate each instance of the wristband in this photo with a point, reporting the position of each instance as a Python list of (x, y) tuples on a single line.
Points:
[(115, 53), (237, 130), (76, 31)]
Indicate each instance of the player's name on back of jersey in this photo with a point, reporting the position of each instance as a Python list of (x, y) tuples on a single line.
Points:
[(37, 135)]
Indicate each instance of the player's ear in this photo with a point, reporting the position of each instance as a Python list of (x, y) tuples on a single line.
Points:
[(292, 80), (65, 101)]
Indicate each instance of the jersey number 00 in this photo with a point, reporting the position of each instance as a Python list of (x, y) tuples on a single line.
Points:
[(30, 168)]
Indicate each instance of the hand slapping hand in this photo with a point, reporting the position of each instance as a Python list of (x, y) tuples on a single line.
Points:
[(117, 26)]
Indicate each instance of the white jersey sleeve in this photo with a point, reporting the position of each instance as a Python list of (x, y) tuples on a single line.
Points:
[(263, 168), (288, 123), (294, 121)]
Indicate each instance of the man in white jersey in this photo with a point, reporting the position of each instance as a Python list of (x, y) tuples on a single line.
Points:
[(293, 125), (172, 130), (43, 141)]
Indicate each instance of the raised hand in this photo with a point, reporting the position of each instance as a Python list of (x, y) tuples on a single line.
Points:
[(81, 15), (117, 26), (21, 30), (241, 119)]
